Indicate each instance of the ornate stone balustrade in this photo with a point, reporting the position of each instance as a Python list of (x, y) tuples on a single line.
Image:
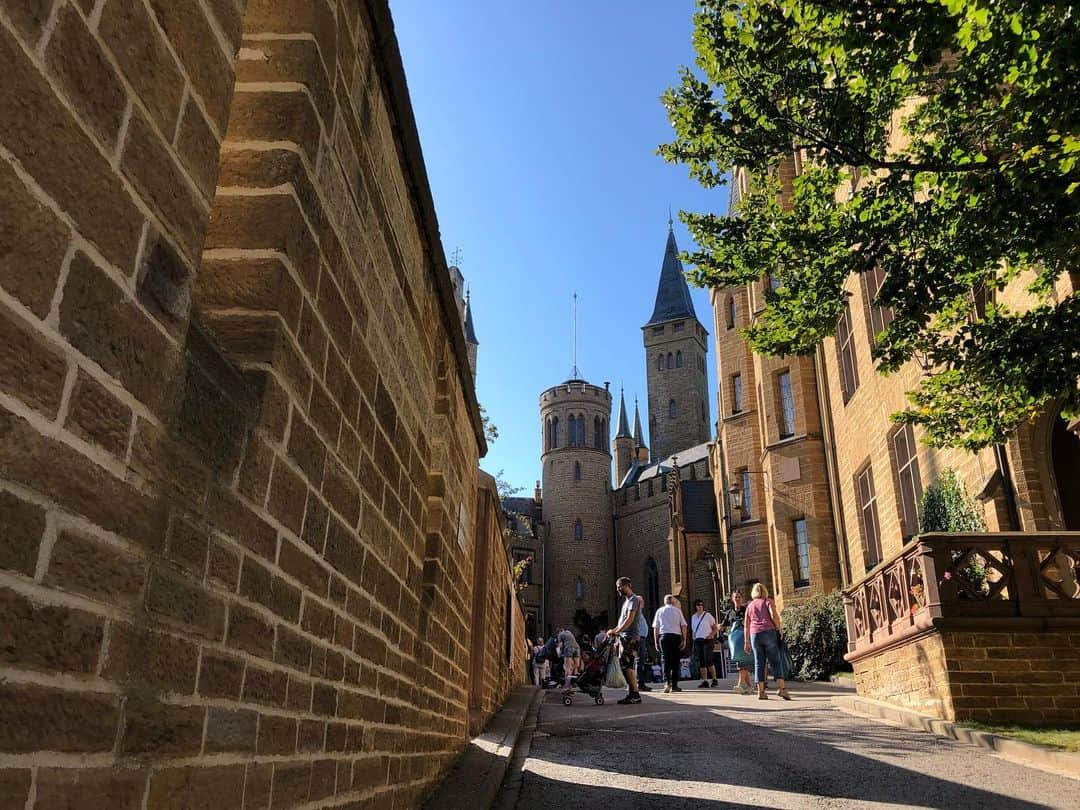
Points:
[(1006, 580)]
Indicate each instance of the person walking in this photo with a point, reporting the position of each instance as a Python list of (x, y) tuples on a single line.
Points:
[(669, 633), (570, 653), (704, 627), (627, 632), (763, 637), (735, 621)]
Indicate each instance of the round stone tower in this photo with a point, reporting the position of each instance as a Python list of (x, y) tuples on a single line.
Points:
[(575, 417)]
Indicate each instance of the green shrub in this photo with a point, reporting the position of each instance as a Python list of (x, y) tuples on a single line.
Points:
[(947, 507), (816, 636)]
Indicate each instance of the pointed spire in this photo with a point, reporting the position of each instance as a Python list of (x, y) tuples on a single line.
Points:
[(470, 330), (639, 436), (672, 294), (623, 428)]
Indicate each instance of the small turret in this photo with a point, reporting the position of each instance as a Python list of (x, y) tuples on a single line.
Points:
[(624, 443), (641, 450), (471, 343)]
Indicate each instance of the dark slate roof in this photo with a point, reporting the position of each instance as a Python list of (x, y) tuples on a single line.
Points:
[(673, 294), (699, 506), (523, 514), (643, 472), (623, 428), (470, 331), (639, 435)]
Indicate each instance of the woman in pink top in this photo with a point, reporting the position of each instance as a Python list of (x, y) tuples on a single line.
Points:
[(763, 636)]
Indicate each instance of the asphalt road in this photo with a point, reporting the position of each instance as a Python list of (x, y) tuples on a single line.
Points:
[(713, 749)]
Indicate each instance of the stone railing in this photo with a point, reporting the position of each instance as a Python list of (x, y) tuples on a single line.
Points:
[(1033, 578)]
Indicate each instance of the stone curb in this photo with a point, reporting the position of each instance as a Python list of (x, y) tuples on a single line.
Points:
[(1036, 756), (475, 780)]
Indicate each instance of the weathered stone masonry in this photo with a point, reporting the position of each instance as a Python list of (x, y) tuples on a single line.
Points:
[(238, 438)]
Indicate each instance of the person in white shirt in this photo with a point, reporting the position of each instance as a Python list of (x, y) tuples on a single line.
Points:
[(705, 628), (669, 633)]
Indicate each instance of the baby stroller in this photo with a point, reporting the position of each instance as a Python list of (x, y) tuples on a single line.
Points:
[(591, 681)]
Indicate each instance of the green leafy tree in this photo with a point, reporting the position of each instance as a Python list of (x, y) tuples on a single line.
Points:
[(983, 95), (816, 635)]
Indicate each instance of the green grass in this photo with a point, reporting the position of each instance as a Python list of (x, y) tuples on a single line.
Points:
[(1064, 739), (843, 674)]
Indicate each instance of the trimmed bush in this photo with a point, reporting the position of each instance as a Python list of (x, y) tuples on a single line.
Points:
[(947, 507), (816, 636)]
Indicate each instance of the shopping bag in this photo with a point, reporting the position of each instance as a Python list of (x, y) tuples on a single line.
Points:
[(787, 666), (735, 645), (613, 677)]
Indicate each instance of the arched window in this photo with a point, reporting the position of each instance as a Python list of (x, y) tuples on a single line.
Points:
[(704, 413), (672, 411), (598, 433), (670, 360), (678, 359), (555, 433), (579, 589), (652, 586), (660, 362), (577, 470), (547, 434), (579, 532), (731, 312)]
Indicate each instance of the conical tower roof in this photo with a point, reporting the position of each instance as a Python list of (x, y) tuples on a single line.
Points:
[(639, 436), (470, 330), (673, 293), (623, 428)]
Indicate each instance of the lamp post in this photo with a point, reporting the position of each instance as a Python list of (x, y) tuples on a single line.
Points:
[(713, 565)]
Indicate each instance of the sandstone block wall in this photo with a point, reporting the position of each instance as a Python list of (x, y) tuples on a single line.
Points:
[(1016, 676), (688, 385), (237, 446)]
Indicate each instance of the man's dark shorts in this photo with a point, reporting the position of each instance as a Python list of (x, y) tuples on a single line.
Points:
[(703, 651), (628, 656)]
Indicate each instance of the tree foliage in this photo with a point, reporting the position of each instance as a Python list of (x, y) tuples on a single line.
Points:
[(957, 124)]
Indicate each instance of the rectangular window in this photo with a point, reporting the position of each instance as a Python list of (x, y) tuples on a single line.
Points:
[(736, 393), (905, 454), (802, 553), (880, 317), (845, 347), (787, 405), (747, 494), (868, 517), (658, 330), (678, 327)]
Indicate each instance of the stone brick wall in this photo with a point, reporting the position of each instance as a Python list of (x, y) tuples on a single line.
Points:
[(1016, 676), (237, 444), (498, 644), (687, 385)]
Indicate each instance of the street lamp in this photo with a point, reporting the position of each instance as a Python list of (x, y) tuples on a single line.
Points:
[(713, 565)]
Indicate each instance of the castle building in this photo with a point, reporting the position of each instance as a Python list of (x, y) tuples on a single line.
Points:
[(657, 522)]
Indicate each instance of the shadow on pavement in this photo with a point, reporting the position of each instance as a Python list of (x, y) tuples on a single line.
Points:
[(783, 757)]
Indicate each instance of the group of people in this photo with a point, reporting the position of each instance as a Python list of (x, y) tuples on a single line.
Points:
[(753, 635)]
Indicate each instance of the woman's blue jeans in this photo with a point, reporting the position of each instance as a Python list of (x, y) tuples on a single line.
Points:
[(766, 647)]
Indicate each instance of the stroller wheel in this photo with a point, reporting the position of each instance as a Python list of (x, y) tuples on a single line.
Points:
[(566, 701), (599, 700)]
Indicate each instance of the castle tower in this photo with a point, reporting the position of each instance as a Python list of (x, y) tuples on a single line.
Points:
[(624, 443), (641, 450), (675, 347), (576, 460)]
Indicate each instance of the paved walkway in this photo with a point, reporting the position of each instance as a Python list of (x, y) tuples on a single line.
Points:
[(713, 748)]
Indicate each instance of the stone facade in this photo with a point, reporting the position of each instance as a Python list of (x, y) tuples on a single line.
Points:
[(1023, 677), (679, 396), (238, 434), (577, 501)]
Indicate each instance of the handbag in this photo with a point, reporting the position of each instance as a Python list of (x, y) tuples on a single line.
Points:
[(613, 677)]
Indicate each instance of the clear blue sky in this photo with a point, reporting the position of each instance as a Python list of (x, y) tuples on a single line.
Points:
[(539, 124)]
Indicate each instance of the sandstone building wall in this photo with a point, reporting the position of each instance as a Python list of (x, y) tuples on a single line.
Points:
[(569, 497), (238, 438)]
